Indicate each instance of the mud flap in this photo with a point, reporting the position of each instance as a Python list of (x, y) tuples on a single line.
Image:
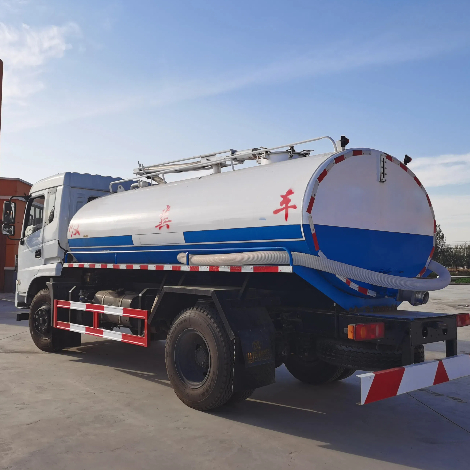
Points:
[(252, 332)]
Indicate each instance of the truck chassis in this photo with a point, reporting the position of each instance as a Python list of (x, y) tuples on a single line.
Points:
[(264, 315)]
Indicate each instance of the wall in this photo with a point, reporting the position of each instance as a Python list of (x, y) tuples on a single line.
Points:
[(9, 248)]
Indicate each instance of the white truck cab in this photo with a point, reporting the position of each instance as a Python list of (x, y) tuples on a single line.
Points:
[(52, 203)]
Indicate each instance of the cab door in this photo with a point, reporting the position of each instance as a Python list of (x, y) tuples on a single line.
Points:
[(30, 250)]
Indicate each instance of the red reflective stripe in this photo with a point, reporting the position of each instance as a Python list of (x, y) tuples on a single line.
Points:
[(194, 268), (265, 269), (441, 374), (432, 252), (134, 312), (92, 265), (418, 181), (385, 384), (429, 200), (159, 267), (129, 266), (63, 325), (362, 290), (422, 272), (81, 265), (93, 331), (357, 152), (116, 266), (315, 241), (213, 268), (94, 308), (176, 268), (322, 175), (144, 266), (133, 339), (310, 205), (235, 269), (348, 282), (388, 157), (339, 159), (63, 304), (435, 226), (403, 167)]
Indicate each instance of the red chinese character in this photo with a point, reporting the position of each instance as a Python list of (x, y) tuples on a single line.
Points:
[(285, 201), (73, 231), (164, 220)]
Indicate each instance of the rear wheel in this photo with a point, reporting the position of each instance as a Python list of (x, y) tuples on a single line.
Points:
[(312, 370), (346, 373), (199, 359), (44, 336), (240, 396)]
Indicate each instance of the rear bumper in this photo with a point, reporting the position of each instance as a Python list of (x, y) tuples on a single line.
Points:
[(377, 386)]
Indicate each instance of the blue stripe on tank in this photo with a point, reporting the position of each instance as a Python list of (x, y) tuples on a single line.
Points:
[(277, 232), (122, 240), (400, 254)]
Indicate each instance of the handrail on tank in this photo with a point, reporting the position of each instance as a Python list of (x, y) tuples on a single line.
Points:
[(188, 164)]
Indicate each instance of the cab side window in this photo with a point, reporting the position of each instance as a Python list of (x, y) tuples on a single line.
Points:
[(34, 217)]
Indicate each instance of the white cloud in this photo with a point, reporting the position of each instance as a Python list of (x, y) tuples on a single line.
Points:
[(442, 170), (339, 57), (453, 215), (25, 50)]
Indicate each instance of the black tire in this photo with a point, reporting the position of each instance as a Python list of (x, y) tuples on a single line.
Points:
[(346, 373), (240, 396), (312, 370), (362, 356), (419, 354), (44, 336), (199, 359)]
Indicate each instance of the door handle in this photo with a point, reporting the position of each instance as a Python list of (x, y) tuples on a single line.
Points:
[(37, 254)]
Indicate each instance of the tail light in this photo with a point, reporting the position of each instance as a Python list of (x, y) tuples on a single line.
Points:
[(463, 319), (364, 331)]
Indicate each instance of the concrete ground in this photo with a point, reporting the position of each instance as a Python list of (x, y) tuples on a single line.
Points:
[(108, 405)]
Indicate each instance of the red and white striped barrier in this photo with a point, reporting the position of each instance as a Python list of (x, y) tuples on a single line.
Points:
[(182, 267), (95, 330), (389, 383)]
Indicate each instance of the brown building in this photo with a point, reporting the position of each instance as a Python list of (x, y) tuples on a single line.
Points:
[(9, 248)]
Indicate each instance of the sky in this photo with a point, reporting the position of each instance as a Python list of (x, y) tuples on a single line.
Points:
[(96, 86)]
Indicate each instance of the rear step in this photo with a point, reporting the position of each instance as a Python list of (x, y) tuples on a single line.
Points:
[(95, 330), (377, 386)]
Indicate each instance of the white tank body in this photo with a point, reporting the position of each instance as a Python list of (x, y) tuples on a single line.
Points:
[(341, 206)]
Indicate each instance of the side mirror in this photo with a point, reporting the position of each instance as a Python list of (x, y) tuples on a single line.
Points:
[(8, 218), (51, 216), (9, 212), (8, 230)]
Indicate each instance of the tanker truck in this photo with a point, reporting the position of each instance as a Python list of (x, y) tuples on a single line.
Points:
[(250, 260)]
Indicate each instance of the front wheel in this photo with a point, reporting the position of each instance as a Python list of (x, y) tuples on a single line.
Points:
[(312, 370), (44, 336), (199, 359)]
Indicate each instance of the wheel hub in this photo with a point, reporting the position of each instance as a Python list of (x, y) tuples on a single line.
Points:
[(201, 357), (41, 319), (192, 358)]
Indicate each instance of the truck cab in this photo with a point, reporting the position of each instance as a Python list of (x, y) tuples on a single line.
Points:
[(52, 203)]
